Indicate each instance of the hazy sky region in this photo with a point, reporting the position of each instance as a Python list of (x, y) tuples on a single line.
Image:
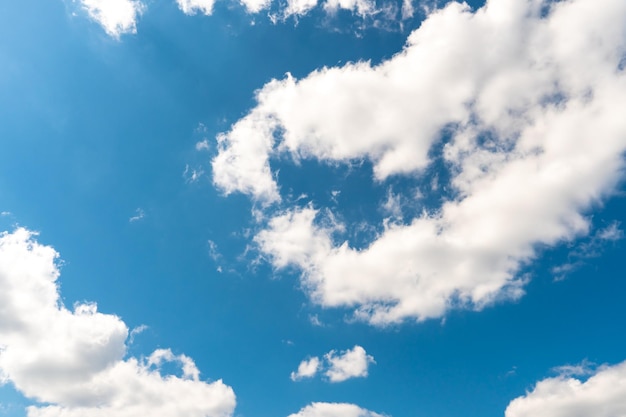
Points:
[(303, 208)]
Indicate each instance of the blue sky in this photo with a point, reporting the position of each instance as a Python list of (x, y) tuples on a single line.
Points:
[(333, 209)]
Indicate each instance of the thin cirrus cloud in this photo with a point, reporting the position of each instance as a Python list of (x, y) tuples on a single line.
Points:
[(531, 94), (72, 363), (602, 395), (337, 366)]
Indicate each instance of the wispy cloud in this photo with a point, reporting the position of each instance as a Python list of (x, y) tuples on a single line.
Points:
[(585, 368), (139, 215), (202, 145), (136, 331), (192, 175), (587, 249)]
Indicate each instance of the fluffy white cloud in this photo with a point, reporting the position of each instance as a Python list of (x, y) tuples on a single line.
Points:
[(347, 364), (602, 395), (532, 93), (334, 410), (255, 6), (337, 367), (73, 361), (360, 7), (117, 17), (299, 7), (307, 369), (191, 7)]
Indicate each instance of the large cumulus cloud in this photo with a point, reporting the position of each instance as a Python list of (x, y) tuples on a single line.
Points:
[(601, 395), (73, 362), (533, 94)]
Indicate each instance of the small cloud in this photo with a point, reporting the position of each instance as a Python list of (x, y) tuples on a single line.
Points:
[(213, 251), (337, 366), (511, 372), (255, 6), (307, 369), (139, 214), (117, 17), (5, 213), (299, 7), (191, 174), (348, 364), (611, 233), (585, 368), (315, 320), (392, 206), (191, 7), (203, 145), (134, 332), (588, 249)]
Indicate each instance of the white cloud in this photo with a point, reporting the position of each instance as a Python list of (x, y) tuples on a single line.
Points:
[(337, 366), (191, 7), (393, 205), (192, 175), (72, 362), (299, 7), (307, 369), (360, 7), (533, 102), (592, 247), (348, 364), (315, 320), (135, 332), (334, 410), (255, 6), (611, 233), (202, 145), (602, 395), (585, 368), (139, 215), (117, 17)]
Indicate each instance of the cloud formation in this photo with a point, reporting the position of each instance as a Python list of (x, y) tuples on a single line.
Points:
[(527, 95), (73, 362), (191, 7), (602, 395), (337, 366), (116, 17), (307, 369), (334, 410), (347, 364)]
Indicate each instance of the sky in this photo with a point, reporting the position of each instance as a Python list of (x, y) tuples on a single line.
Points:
[(303, 208)]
